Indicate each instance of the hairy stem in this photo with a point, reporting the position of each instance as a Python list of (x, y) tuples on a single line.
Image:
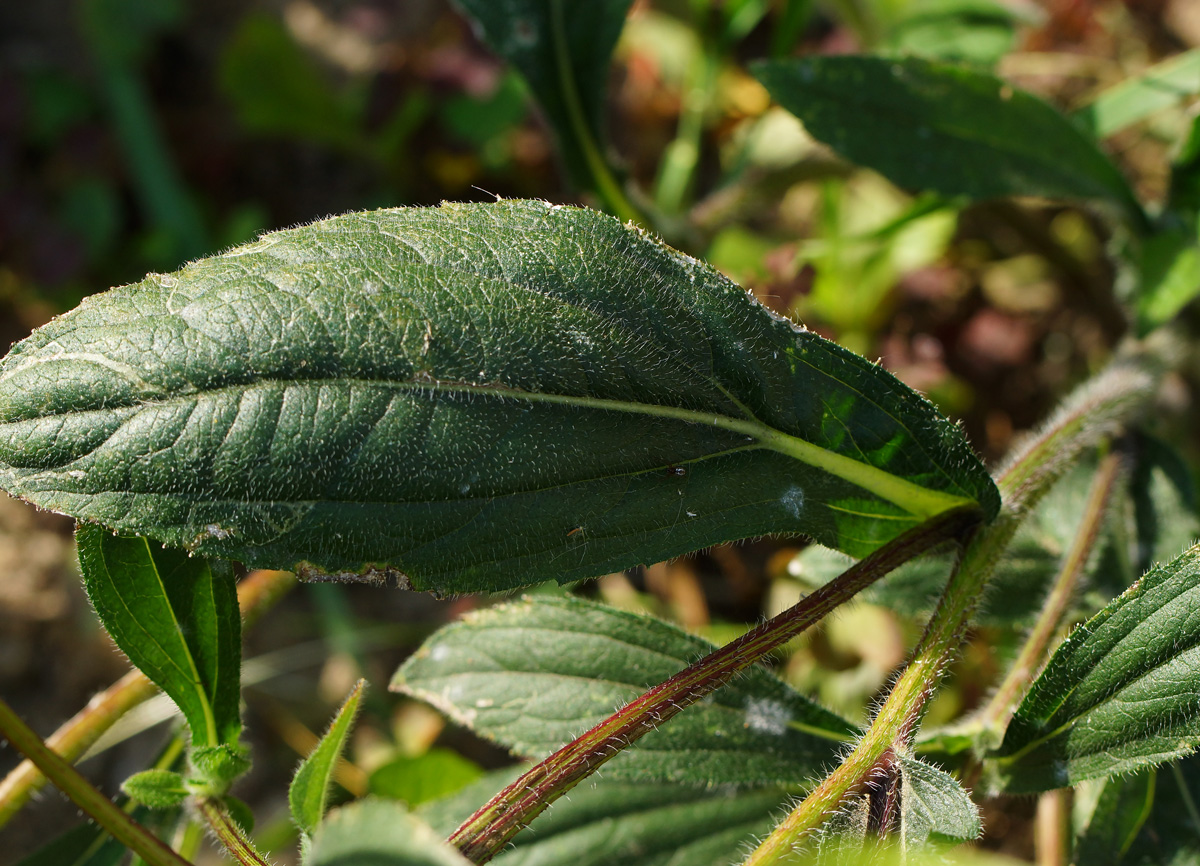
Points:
[(489, 829), (228, 833), (1089, 416), (1000, 708), (257, 593), (84, 794)]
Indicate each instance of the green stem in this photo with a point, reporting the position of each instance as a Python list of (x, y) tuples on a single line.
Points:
[(606, 185), (683, 153), (228, 833), (1088, 417), (84, 794), (257, 593), (1002, 704), (490, 829)]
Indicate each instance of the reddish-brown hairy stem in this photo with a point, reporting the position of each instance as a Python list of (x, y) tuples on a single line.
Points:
[(489, 829), (257, 593)]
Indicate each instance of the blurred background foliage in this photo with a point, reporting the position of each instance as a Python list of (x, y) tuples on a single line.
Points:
[(138, 134)]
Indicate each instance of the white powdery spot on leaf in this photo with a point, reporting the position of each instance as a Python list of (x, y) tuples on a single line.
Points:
[(765, 716), (793, 500)]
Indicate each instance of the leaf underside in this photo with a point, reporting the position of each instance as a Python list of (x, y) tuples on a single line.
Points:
[(469, 397)]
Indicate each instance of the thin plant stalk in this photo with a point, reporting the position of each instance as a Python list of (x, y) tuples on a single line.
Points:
[(1088, 417), (999, 710), (486, 832), (84, 794), (257, 593)]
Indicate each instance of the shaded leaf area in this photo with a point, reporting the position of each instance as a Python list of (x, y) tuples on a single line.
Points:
[(1120, 806), (177, 619), (391, 393), (563, 50), (636, 824), (1170, 834), (1122, 692), (533, 675), (378, 833), (934, 805), (310, 786), (930, 126)]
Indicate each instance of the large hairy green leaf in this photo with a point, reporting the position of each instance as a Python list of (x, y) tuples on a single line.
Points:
[(1122, 692), (533, 675), (935, 126), (477, 396)]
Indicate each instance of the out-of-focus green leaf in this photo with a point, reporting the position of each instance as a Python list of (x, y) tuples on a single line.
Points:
[(635, 824), (533, 675), (176, 617), (417, 780), (931, 126), (1119, 811), (976, 31), (1119, 694), (378, 833), (1168, 83), (934, 804), (1184, 195), (563, 49), (310, 785), (276, 88), (1170, 276), (469, 397)]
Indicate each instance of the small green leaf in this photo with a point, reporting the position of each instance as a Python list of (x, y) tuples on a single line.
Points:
[(1119, 810), (1119, 694), (1172, 82), (310, 785), (156, 789), (933, 804), (176, 617), (533, 675), (563, 50), (930, 126), (469, 397), (218, 766), (634, 824), (378, 833), (416, 780)]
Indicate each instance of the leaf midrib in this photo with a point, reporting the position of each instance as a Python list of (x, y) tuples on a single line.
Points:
[(917, 500)]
